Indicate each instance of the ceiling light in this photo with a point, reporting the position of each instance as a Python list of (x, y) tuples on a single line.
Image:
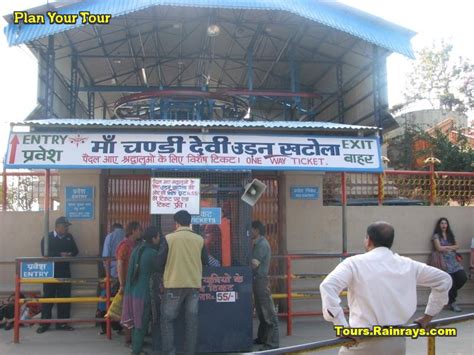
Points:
[(213, 30)]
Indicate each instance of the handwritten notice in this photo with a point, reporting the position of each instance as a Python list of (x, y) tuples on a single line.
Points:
[(169, 195), (220, 287)]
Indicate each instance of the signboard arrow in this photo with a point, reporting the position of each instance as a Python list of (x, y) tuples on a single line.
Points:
[(14, 143)]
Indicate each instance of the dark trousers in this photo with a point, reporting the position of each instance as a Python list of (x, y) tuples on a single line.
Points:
[(56, 291), (268, 327), (459, 279), (172, 301)]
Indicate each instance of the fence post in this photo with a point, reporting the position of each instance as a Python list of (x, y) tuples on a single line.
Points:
[(431, 346), (289, 290), (16, 317), (107, 296), (4, 189), (380, 192), (432, 184), (47, 192), (343, 205)]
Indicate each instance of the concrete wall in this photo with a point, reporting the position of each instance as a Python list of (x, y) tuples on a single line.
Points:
[(21, 232), (310, 227)]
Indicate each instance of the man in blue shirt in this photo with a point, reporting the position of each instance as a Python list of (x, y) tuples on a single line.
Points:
[(111, 242)]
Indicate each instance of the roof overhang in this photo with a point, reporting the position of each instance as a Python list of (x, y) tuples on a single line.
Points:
[(242, 125), (335, 15)]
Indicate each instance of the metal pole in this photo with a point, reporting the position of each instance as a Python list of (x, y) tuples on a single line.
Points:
[(107, 295), (4, 189), (289, 290), (47, 199), (432, 184), (49, 90), (344, 221), (380, 189), (340, 93), (16, 318), (431, 346)]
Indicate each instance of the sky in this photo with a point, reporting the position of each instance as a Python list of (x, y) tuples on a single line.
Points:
[(432, 20)]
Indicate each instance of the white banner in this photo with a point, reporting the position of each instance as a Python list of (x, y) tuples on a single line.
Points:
[(169, 195), (65, 150)]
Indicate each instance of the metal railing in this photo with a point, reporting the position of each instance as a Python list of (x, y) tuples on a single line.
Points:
[(292, 293), (399, 187), (19, 301), (337, 342)]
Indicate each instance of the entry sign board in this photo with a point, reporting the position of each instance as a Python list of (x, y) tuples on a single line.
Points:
[(304, 192), (37, 269), (208, 215), (112, 150), (169, 195), (80, 202)]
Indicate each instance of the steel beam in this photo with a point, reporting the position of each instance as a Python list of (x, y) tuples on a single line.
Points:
[(73, 86), (340, 93), (49, 87), (376, 89), (91, 104)]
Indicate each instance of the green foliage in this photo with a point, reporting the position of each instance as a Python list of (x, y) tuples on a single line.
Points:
[(443, 81), (453, 157)]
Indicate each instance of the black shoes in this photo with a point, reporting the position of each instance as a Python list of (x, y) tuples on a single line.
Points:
[(42, 328), (64, 327)]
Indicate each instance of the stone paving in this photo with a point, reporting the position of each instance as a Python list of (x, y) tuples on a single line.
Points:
[(86, 340)]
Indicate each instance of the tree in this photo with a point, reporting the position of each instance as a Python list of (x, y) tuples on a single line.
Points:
[(438, 78), (415, 143)]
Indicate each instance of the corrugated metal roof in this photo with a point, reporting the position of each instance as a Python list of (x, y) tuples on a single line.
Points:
[(291, 125), (338, 16)]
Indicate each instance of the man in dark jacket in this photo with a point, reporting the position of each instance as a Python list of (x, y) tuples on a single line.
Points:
[(61, 243)]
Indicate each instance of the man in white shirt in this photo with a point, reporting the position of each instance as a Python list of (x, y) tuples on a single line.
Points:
[(381, 291)]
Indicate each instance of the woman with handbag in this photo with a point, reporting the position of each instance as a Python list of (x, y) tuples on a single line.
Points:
[(445, 243)]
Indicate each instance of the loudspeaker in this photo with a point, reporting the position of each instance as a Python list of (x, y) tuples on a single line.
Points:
[(253, 191)]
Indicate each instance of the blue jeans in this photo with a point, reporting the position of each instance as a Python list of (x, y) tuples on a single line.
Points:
[(173, 300)]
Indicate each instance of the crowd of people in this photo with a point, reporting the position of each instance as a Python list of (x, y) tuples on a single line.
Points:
[(146, 263)]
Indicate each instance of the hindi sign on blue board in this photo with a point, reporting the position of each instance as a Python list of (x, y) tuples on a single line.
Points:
[(80, 202), (304, 192), (37, 269), (208, 215)]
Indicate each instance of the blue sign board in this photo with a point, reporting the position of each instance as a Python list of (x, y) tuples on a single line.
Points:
[(304, 192), (79, 202), (208, 215), (37, 269)]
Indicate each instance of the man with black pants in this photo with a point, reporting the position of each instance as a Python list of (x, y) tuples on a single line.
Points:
[(267, 335), (62, 244)]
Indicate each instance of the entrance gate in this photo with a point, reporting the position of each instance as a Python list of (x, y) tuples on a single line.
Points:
[(128, 199)]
